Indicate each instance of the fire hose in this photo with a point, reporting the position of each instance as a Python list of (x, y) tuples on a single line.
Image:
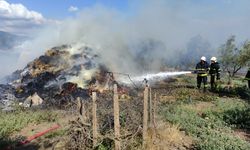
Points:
[(29, 139)]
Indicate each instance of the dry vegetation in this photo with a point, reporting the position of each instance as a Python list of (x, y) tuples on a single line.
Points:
[(166, 136)]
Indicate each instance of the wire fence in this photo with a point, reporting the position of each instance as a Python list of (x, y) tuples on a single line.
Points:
[(114, 122)]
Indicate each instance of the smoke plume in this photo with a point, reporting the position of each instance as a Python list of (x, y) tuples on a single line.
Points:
[(130, 44), (142, 40)]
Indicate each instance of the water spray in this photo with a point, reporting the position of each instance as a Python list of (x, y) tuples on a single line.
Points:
[(152, 77)]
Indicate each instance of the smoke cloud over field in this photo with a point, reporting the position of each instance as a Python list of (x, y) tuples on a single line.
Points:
[(143, 39), (125, 43)]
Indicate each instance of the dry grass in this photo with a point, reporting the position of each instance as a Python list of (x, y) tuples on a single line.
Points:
[(200, 106), (167, 137), (167, 99)]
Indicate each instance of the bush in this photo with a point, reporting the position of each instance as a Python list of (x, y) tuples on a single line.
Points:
[(237, 91), (240, 117)]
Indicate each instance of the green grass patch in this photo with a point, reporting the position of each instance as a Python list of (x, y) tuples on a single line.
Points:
[(14, 121), (234, 112), (207, 98), (211, 128), (185, 95)]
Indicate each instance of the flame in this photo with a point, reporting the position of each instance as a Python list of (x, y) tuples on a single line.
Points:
[(82, 78)]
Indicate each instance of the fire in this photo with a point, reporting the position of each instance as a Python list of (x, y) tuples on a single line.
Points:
[(83, 77)]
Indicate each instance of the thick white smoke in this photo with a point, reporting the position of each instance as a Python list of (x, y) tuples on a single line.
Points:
[(125, 43), (142, 39)]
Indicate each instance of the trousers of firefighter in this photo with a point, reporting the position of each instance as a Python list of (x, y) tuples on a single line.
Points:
[(202, 77)]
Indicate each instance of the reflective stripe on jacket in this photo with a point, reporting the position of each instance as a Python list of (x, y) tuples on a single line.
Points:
[(202, 74), (202, 68)]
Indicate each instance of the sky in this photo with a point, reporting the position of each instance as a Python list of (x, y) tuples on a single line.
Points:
[(59, 9), (118, 25), (22, 16)]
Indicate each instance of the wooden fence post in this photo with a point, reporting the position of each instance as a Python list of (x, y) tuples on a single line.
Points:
[(79, 105), (81, 110), (154, 110), (94, 120), (145, 116), (150, 107), (116, 119)]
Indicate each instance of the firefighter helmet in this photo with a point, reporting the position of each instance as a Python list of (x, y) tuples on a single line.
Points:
[(203, 58), (213, 59)]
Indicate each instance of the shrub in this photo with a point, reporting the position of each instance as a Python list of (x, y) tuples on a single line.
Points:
[(240, 117)]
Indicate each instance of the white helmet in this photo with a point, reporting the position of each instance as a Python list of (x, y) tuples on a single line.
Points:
[(203, 58), (213, 59)]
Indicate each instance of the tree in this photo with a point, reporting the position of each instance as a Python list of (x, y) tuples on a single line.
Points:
[(233, 58), (245, 54)]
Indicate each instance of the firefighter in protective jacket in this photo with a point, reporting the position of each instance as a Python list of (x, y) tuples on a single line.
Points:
[(214, 72), (202, 69), (248, 77)]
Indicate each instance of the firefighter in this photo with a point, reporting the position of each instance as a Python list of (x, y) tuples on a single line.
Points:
[(214, 72), (202, 69), (248, 77)]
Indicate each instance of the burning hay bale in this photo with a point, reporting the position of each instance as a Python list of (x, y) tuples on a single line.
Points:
[(61, 74)]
